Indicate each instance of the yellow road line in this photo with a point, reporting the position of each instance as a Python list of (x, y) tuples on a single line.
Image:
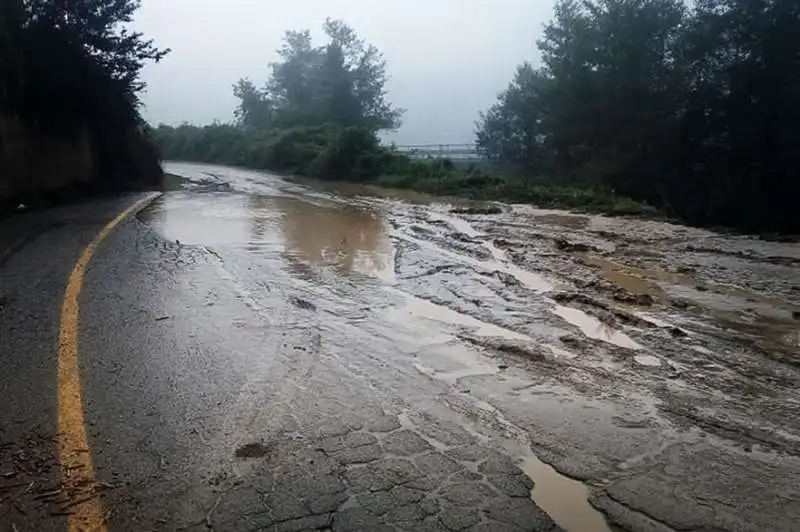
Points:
[(74, 453)]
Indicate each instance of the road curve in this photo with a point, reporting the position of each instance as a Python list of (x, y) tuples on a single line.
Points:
[(204, 409), (247, 353)]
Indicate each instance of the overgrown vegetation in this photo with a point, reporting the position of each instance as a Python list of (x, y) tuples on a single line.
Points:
[(691, 109), (318, 115), (353, 154), (70, 70)]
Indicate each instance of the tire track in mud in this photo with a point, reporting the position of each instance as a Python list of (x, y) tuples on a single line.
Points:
[(478, 301), (642, 320), (512, 274)]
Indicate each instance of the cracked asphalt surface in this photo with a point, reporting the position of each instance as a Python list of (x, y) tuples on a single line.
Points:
[(258, 354)]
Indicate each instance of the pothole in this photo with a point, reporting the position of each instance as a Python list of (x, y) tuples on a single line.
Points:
[(565, 500)]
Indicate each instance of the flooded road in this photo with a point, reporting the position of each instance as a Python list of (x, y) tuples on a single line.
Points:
[(643, 375)]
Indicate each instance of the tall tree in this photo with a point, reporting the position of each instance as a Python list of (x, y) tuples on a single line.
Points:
[(693, 109), (342, 83), (742, 112), (99, 27), (514, 129), (12, 17), (77, 74), (254, 109), (366, 69)]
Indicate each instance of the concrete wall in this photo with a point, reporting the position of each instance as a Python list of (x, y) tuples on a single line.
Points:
[(33, 164)]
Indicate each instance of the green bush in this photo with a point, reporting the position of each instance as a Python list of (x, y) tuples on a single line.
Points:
[(352, 155), (355, 154)]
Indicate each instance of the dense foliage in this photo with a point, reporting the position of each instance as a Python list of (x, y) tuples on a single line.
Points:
[(353, 154), (693, 109), (330, 152), (342, 82), (72, 69), (318, 116)]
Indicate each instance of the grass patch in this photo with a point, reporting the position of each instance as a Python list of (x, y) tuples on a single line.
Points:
[(480, 186)]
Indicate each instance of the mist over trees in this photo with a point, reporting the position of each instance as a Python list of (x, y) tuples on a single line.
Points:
[(318, 114), (690, 108), (693, 109), (341, 82)]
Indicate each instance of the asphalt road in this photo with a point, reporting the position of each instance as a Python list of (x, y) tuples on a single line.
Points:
[(251, 354), (205, 410)]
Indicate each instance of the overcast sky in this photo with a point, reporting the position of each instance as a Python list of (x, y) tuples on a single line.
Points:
[(448, 59)]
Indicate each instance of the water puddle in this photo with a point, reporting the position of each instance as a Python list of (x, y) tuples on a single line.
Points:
[(565, 500), (194, 220), (459, 224), (438, 352), (561, 353), (346, 238), (647, 360), (501, 261), (625, 278), (590, 326), (660, 282), (451, 376), (530, 280), (594, 328), (418, 308), (720, 306), (570, 221)]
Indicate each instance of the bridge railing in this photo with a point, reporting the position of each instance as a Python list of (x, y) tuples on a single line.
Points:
[(461, 152)]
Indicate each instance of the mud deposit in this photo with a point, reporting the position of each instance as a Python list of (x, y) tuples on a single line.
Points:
[(655, 367)]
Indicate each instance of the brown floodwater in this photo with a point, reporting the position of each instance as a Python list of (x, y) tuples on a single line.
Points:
[(629, 279), (469, 302), (564, 499)]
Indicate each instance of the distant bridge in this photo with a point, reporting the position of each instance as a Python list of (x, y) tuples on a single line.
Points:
[(455, 152)]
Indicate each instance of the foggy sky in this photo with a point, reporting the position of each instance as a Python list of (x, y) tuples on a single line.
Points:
[(448, 59)]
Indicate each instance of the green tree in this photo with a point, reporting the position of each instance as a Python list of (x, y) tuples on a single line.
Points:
[(689, 109), (77, 73), (342, 83), (254, 109), (514, 129), (366, 75), (12, 16), (739, 137), (99, 28)]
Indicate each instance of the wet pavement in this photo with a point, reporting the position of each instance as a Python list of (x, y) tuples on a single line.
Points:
[(265, 354)]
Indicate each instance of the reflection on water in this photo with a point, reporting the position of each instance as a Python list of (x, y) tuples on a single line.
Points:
[(529, 279), (348, 238), (418, 308), (594, 328), (211, 219), (635, 281), (312, 235), (564, 499), (647, 360)]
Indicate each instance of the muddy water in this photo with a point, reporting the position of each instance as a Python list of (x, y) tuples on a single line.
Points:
[(564, 499), (534, 316), (594, 328)]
